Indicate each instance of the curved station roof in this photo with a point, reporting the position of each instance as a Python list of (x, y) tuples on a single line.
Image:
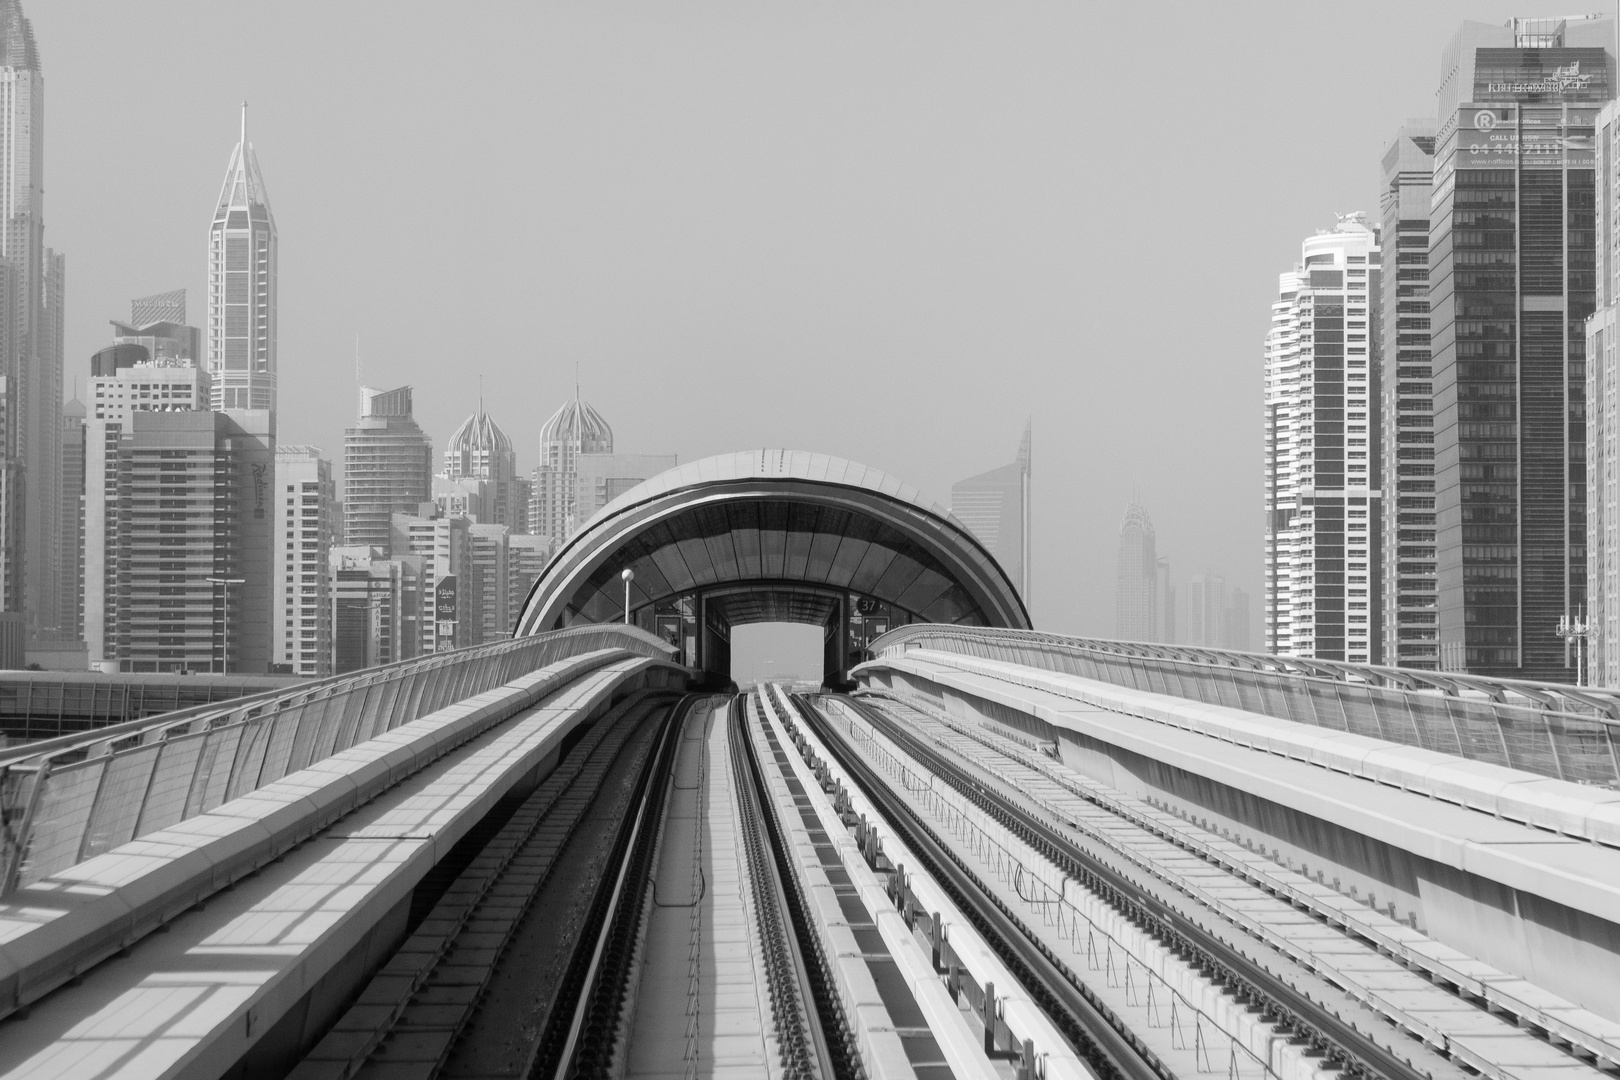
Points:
[(773, 536)]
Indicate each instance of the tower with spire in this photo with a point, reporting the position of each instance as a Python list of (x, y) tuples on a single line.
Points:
[(241, 329)]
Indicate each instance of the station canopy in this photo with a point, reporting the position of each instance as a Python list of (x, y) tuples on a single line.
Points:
[(774, 536)]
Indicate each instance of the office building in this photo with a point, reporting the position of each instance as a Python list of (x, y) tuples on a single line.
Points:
[(480, 478), (1323, 539), (127, 378), (70, 583), (13, 625), (387, 467), (241, 331), (1136, 582), (1411, 629), (30, 332), (1603, 419), (302, 626), (179, 551), (526, 558), (158, 323), (574, 429), (1511, 281), (488, 584), (1165, 589), (600, 478), (376, 607), (995, 507), (443, 544)]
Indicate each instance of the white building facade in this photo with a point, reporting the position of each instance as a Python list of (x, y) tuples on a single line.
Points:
[(1322, 452), (301, 641)]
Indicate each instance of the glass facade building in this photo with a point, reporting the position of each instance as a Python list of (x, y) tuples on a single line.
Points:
[(1512, 281), (1136, 584), (387, 467), (1411, 622)]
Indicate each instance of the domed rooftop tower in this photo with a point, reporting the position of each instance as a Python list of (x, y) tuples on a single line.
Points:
[(574, 429), (480, 450)]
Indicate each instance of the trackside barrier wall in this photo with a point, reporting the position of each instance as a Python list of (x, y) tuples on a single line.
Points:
[(82, 796), (1564, 732)]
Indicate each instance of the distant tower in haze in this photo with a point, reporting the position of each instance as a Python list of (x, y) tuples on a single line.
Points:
[(1136, 585), (387, 467), (995, 507), (574, 429), (242, 287)]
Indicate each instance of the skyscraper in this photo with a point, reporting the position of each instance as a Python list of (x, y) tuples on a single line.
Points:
[(30, 337), (1323, 531), (241, 327), (1410, 617), (1512, 280), (574, 429), (995, 506), (387, 467), (70, 581), (1136, 581)]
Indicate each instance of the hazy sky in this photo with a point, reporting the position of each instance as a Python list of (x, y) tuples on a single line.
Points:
[(885, 231)]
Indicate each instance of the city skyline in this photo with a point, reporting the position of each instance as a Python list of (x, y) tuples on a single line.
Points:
[(1087, 415)]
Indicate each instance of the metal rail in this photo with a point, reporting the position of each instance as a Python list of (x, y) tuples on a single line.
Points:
[(817, 1042), (1241, 977), (430, 987), (1095, 1034)]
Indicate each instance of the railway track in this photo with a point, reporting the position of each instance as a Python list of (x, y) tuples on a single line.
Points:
[(1273, 991)]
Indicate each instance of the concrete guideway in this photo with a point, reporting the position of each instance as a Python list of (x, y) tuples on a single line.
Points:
[(1528, 919), (272, 954), (1349, 965)]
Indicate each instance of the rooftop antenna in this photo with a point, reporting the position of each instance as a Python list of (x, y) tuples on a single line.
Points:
[(244, 127), (357, 376), (576, 382)]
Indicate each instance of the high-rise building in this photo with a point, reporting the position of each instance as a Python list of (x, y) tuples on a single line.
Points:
[(159, 323), (301, 637), (1206, 611), (13, 628), (178, 548), (1603, 418), (488, 583), (1410, 616), (1166, 590), (574, 429), (376, 604), (1323, 538), (600, 478), (526, 558), (1136, 581), (480, 478), (995, 506), (447, 594), (242, 287), (387, 467), (1512, 280), (30, 331), (70, 582)]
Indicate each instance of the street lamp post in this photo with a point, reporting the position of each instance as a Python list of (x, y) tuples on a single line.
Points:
[(628, 575), (226, 583), (1576, 630)]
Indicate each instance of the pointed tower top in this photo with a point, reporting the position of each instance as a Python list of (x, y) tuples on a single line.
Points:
[(1024, 445), (244, 186)]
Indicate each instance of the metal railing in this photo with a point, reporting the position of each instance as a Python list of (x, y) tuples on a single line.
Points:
[(66, 800), (1567, 732)]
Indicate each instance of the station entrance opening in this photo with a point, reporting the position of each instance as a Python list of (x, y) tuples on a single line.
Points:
[(772, 536)]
